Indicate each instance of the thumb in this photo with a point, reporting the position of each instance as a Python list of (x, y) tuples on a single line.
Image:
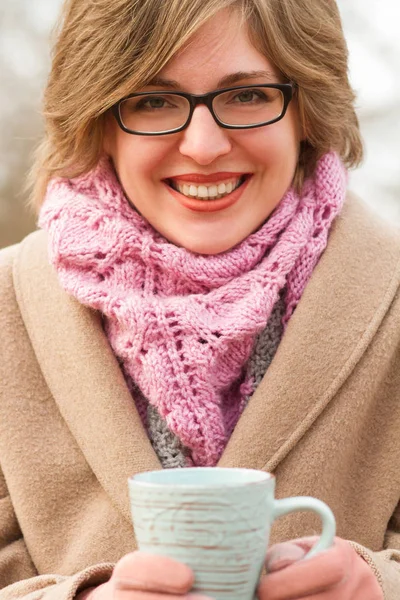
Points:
[(283, 555)]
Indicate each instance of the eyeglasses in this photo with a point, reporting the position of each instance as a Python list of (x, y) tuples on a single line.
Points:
[(241, 107)]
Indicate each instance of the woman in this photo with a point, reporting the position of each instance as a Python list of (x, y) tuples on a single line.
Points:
[(202, 292)]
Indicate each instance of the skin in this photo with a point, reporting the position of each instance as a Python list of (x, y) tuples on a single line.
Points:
[(268, 153), (142, 576)]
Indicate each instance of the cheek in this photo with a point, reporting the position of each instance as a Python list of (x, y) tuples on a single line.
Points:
[(137, 159), (275, 157), (273, 146)]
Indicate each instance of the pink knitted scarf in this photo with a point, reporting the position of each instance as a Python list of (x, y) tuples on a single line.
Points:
[(183, 325)]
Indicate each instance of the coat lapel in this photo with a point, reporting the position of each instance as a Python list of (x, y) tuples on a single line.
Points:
[(345, 301), (82, 374)]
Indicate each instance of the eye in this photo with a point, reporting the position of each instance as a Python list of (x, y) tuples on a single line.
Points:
[(247, 96), (252, 96), (152, 103)]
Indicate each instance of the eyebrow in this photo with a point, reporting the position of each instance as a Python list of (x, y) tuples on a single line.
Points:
[(226, 81)]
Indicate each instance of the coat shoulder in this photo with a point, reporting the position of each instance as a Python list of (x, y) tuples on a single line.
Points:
[(9, 258), (365, 223), (375, 245), (363, 247)]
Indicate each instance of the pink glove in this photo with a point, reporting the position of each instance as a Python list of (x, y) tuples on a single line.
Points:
[(336, 574)]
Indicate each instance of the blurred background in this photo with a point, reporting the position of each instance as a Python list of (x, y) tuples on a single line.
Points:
[(372, 32)]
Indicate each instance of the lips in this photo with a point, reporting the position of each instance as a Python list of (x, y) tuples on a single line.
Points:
[(207, 192), (199, 178), (207, 204), (207, 187)]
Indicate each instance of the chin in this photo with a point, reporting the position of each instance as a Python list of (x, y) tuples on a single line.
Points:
[(206, 247)]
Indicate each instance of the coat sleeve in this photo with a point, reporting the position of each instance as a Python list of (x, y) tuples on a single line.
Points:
[(386, 564), (19, 579)]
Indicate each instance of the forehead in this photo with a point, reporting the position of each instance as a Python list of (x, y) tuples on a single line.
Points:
[(222, 46)]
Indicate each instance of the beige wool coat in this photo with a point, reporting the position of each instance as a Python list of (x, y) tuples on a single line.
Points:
[(325, 419)]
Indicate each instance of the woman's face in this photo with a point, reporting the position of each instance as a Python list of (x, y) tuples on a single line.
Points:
[(207, 154)]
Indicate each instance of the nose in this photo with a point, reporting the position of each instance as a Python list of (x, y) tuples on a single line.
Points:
[(204, 140)]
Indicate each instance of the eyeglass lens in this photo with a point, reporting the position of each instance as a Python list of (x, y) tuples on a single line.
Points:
[(164, 112)]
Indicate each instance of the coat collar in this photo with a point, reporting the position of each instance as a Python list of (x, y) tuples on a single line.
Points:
[(346, 299)]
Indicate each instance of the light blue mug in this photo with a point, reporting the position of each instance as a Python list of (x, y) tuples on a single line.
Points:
[(217, 521)]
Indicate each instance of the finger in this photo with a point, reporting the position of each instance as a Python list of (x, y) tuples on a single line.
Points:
[(308, 577), (137, 595), (286, 553), (268, 590), (150, 573)]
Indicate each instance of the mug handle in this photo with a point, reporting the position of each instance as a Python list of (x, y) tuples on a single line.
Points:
[(308, 503)]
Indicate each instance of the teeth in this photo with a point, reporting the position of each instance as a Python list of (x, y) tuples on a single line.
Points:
[(202, 191), (207, 192), (212, 191)]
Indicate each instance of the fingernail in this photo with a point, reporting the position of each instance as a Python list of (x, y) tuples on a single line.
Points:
[(279, 564), (283, 557)]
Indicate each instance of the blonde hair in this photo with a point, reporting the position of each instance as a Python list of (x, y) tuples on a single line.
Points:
[(105, 50)]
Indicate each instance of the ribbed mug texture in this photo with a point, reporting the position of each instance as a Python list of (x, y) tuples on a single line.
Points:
[(220, 531)]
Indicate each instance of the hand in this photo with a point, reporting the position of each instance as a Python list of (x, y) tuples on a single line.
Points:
[(142, 576), (335, 574)]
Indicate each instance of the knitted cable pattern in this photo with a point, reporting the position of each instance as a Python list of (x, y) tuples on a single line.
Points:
[(183, 325)]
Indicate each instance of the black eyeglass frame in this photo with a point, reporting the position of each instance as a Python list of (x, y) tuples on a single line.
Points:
[(287, 90)]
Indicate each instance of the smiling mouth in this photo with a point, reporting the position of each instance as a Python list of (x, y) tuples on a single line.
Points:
[(213, 191)]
